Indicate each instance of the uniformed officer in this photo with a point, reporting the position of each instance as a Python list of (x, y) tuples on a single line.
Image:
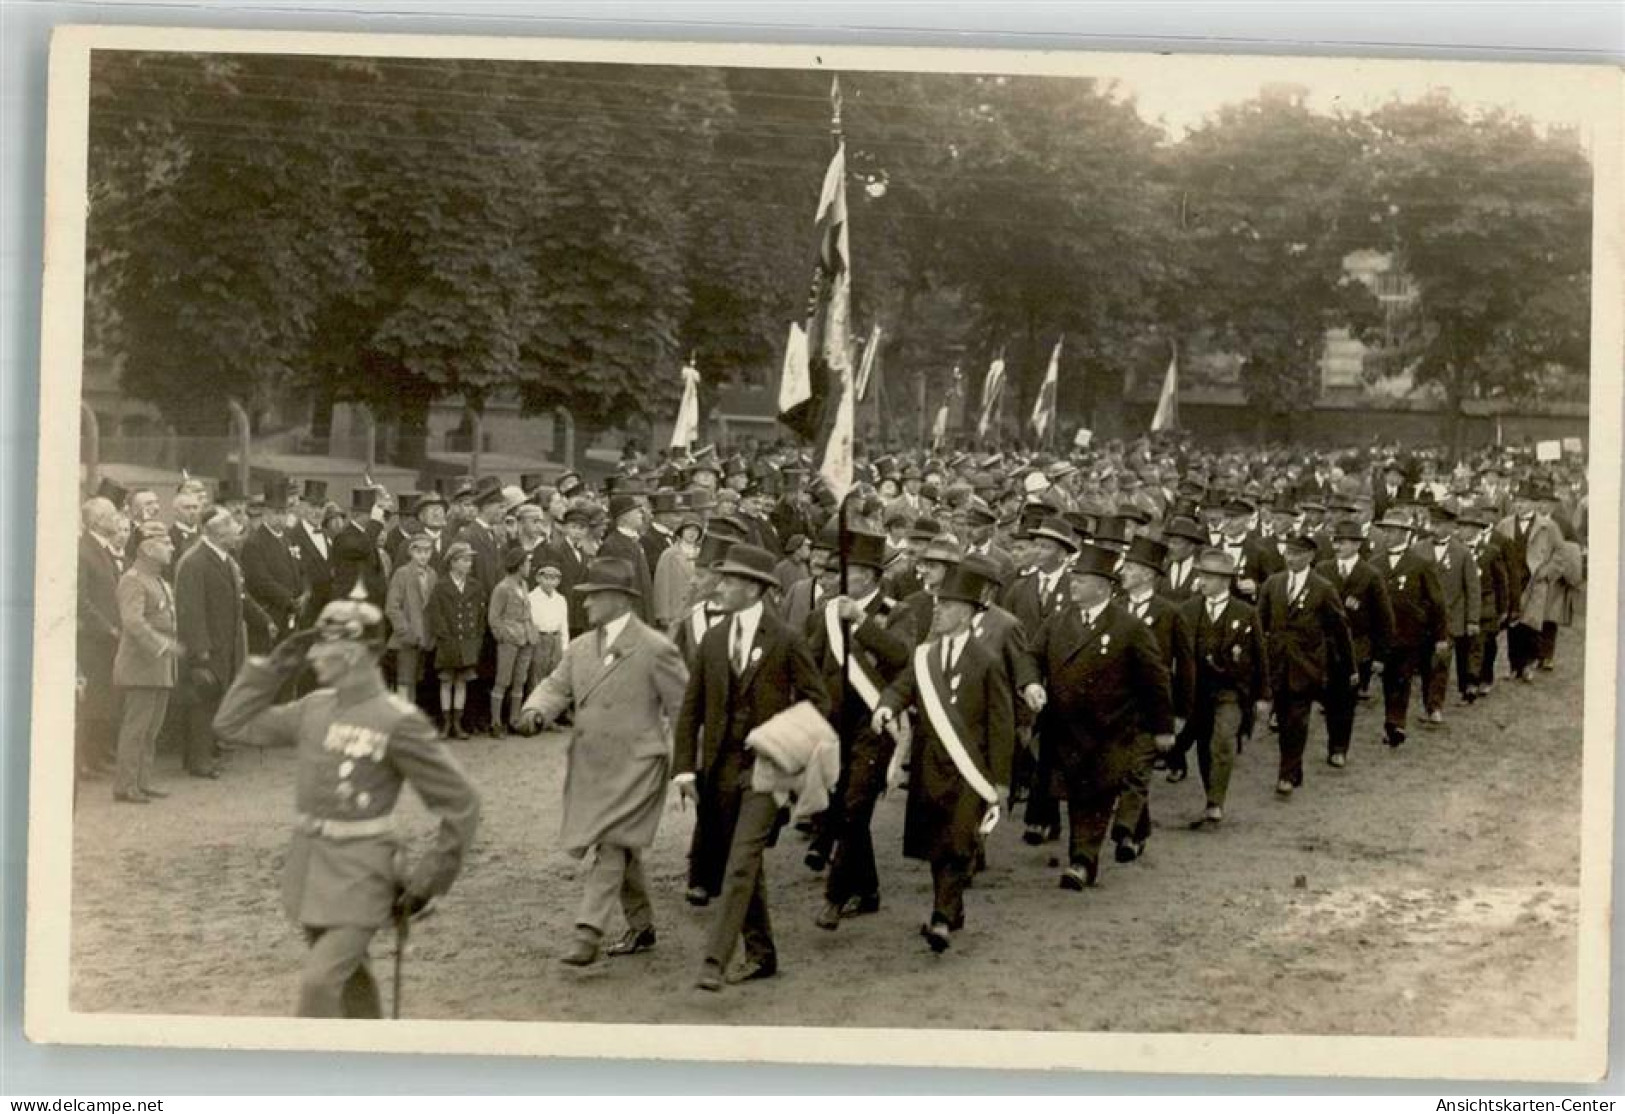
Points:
[(358, 743)]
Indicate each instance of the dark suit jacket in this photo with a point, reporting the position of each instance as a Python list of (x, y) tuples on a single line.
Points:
[(881, 645), (1365, 604), (1107, 685), (489, 546), (1304, 639), (98, 606), (315, 571), (572, 570), (720, 709), (1230, 655), (1026, 601), (272, 578), (1002, 635), (1172, 632), (630, 550), (1185, 589), (799, 603), (913, 616), (209, 608), (1494, 581), (1418, 602), (1458, 581)]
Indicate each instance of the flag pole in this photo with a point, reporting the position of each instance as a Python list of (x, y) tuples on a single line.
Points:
[(843, 533)]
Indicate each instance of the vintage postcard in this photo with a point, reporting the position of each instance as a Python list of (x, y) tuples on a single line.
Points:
[(827, 554)]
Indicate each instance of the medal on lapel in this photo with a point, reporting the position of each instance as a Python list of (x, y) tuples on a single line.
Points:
[(755, 655), (1105, 643)]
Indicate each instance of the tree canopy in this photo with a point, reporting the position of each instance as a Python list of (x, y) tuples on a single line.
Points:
[(397, 230)]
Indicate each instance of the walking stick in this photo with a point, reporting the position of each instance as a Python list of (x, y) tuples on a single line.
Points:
[(403, 929)]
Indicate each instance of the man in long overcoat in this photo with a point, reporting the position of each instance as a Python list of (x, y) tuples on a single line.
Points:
[(623, 682)]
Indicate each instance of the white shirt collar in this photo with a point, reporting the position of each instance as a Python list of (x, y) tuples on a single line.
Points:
[(1216, 604), (221, 553), (748, 619), (613, 629), (1141, 599), (1092, 614)]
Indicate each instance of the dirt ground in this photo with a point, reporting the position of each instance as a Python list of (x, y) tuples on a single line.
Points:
[(1430, 891)]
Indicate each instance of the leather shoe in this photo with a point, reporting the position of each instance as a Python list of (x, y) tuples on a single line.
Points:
[(1078, 876), (1394, 737), (829, 917), (1338, 760), (1283, 788), (633, 941), (1128, 850), (212, 775), (583, 953), (860, 906), (937, 935), (1178, 774), (157, 794), (753, 969), (131, 799), (1040, 833), (697, 896), (816, 860), (710, 978)]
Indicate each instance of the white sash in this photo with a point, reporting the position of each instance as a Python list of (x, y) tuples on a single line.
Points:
[(861, 681), (942, 724)]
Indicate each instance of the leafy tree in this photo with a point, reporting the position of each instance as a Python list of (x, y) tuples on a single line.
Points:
[(1492, 221)]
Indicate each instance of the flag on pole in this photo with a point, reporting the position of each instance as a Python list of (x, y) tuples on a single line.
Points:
[(835, 464), (795, 380), (686, 430), (992, 391), (939, 427), (867, 367), (1167, 415), (828, 336), (1044, 407)]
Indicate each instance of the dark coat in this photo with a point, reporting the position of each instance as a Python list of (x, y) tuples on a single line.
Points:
[(572, 570), (489, 545), (1026, 600), (1418, 602), (354, 556), (271, 575), (1106, 685), (1184, 589), (98, 629), (881, 646), (315, 571), (1458, 584), (457, 622), (943, 810), (1304, 639), (913, 616), (1166, 622), (1005, 639), (1230, 655), (630, 550), (209, 610), (801, 601), (1494, 581), (720, 709), (1365, 604)]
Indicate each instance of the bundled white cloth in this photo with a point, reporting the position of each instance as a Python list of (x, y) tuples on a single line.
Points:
[(797, 752)]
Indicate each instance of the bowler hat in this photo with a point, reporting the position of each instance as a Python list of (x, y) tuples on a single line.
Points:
[(1147, 551), (713, 548), (488, 491), (993, 566), (924, 529), (577, 516), (750, 562), (1347, 530), (942, 548), (1095, 560), (621, 503), (1392, 521), (609, 574), (1301, 541)]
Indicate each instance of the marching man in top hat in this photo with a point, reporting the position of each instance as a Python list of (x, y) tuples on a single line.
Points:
[(959, 760), (358, 744)]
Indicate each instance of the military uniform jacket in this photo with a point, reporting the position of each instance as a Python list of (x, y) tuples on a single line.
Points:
[(943, 810), (1167, 625), (1304, 638), (1229, 653), (1365, 604), (1418, 601), (148, 651), (1107, 684), (457, 622), (626, 697), (354, 753)]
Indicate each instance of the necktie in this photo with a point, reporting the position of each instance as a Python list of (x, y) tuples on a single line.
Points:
[(1214, 610), (947, 656), (738, 653)]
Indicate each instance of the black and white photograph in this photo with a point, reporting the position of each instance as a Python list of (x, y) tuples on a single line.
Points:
[(851, 555)]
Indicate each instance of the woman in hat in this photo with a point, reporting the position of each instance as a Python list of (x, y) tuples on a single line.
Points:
[(959, 759), (457, 627)]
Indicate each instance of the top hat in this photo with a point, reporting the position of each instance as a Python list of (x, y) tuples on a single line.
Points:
[(1111, 529), (363, 498), (713, 548), (1056, 530), (1082, 523), (530, 481), (866, 550), (751, 563), (112, 492), (609, 574), (407, 503), (967, 585), (315, 491), (1216, 562), (1095, 560), (1147, 551)]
